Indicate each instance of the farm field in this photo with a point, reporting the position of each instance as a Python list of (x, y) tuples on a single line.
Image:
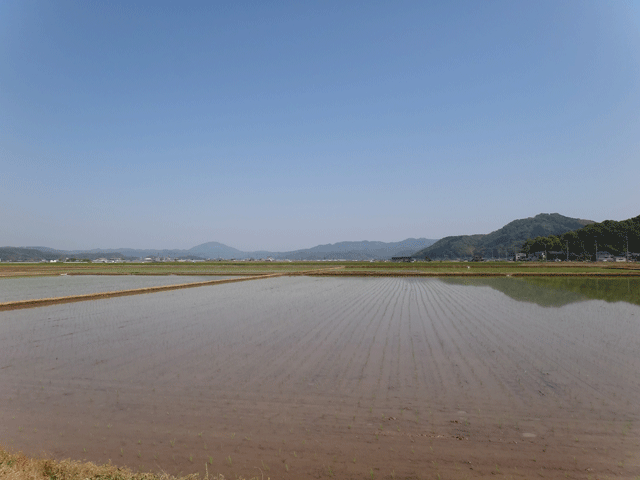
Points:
[(27, 288), (336, 268), (160, 268), (315, 377)]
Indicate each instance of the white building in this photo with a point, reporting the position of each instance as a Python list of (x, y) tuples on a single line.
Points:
[(604, 257)]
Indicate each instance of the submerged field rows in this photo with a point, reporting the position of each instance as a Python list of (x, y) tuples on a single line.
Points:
[(299, 377), (28, 288)]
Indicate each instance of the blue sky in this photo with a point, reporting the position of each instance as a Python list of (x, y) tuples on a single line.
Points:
[(283, 125)]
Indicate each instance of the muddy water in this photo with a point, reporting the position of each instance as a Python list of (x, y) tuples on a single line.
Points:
[(311, 377), (28, 288)]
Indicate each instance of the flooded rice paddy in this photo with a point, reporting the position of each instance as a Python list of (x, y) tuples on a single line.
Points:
[(298, 377), (29, 288)]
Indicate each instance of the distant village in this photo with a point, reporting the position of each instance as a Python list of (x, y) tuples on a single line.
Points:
[(562, 256), (552, 256), (155, 260)]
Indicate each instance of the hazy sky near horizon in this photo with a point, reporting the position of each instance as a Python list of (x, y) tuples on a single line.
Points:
[(283, 125)]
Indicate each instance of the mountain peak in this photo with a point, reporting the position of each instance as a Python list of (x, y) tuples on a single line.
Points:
[(499, 242)]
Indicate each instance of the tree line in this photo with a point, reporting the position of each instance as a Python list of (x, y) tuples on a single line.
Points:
[(611, 236)]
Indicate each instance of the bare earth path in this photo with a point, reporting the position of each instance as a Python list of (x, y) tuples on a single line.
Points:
[(299, 377)]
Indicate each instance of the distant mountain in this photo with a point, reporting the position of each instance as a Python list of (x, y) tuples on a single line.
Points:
[(217, 250), (36, 254), (42, 249), (503, 241), (364, 250), (26, 254)]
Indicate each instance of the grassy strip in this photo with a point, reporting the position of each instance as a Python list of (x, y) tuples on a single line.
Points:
[(20, 467), (293, 268), (210, 268), (478, 274)]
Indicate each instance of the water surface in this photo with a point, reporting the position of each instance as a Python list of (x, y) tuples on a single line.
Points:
[(424, 378), (28, 288), (559, 291)]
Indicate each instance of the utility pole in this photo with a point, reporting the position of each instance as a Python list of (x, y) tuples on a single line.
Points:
[(596, 250), (567, 250), (627, 236)]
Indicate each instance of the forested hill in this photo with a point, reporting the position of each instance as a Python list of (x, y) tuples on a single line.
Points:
[(20, 254), (39, 254), (503, 241), (611, 236)]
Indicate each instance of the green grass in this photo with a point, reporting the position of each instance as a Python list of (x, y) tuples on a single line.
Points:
[(340, 268)]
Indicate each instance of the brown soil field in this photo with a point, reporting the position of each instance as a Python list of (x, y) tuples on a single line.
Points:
[(312, 377)]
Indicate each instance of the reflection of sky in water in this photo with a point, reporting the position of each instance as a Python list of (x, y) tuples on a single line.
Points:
[(27, 288), (559, 291)]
